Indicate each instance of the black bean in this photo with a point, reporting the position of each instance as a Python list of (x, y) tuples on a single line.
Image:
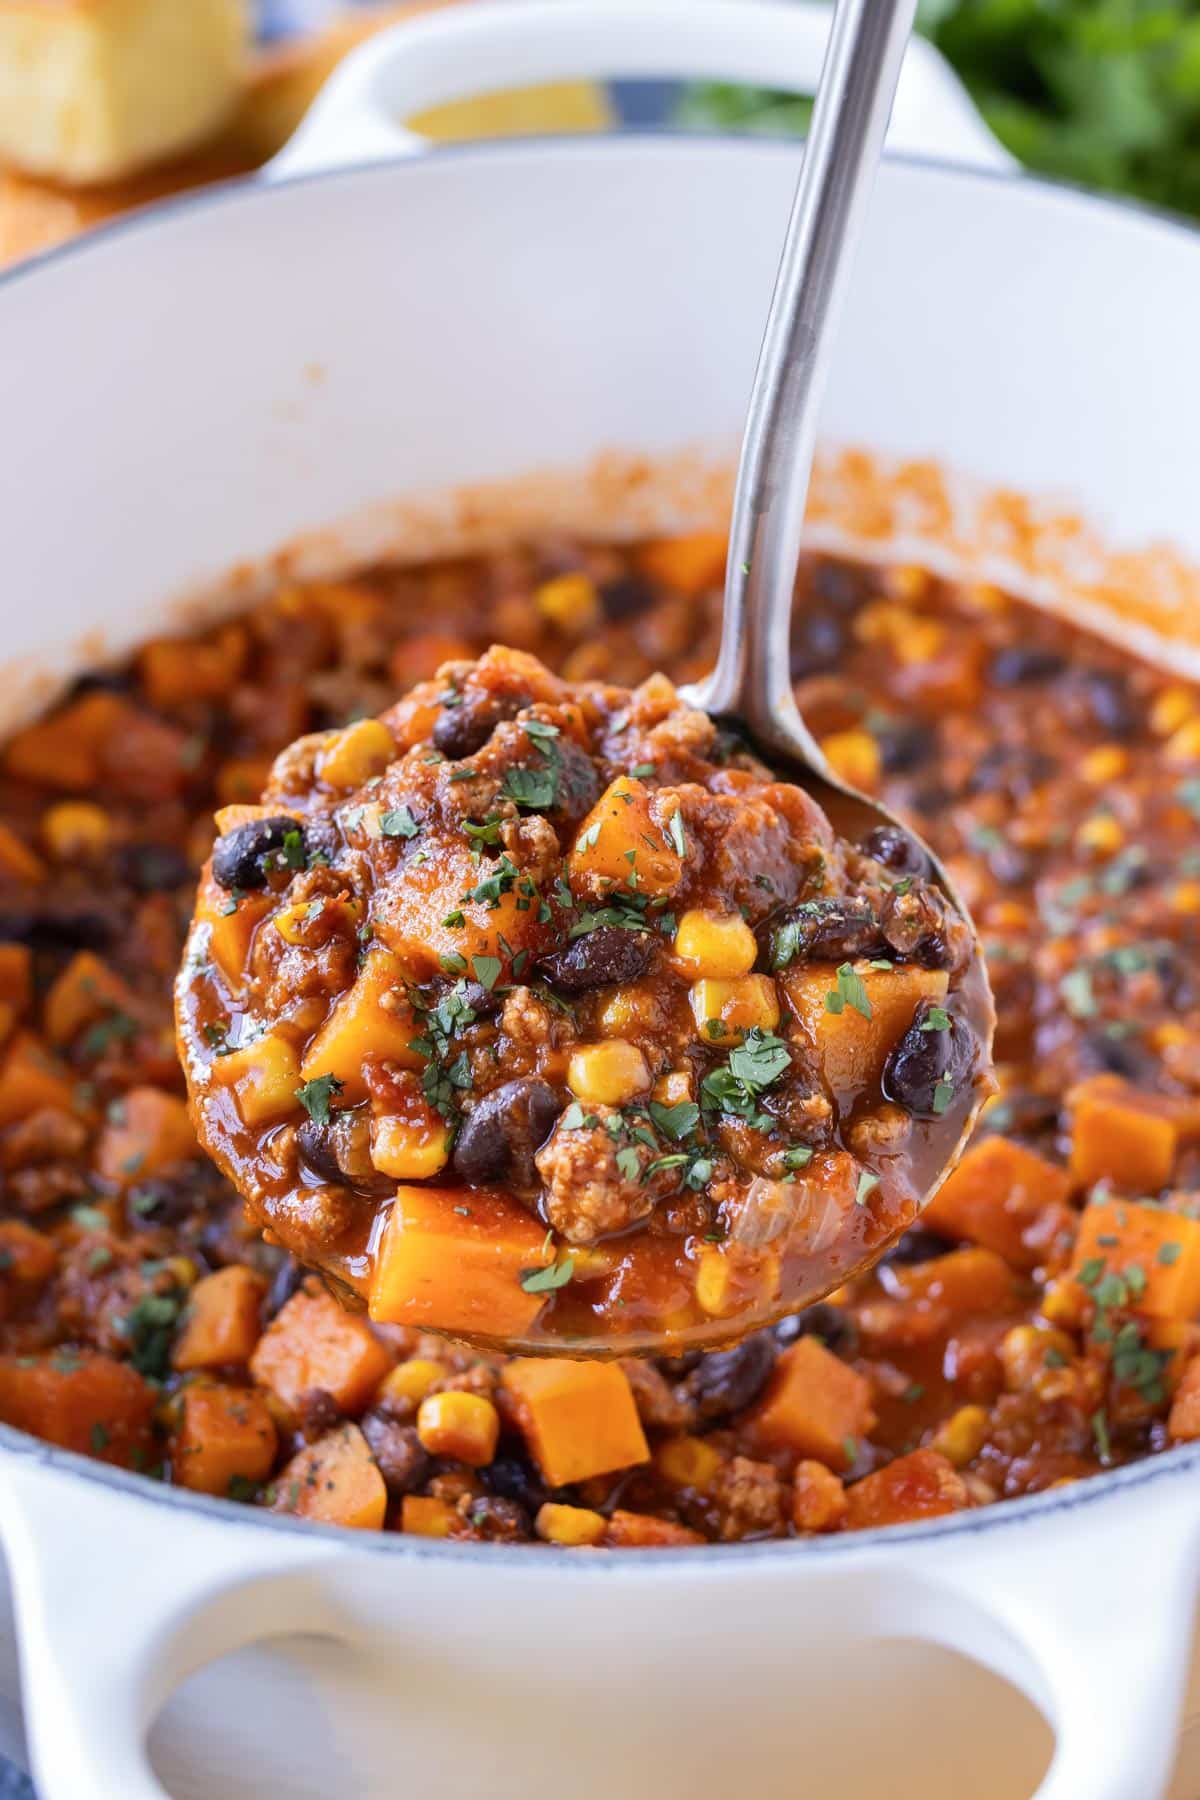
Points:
[(676, 1367), (63, 922), (515, 1479), (239, 858), (103, 681), (918, 1245), (498, 1520), (607, 954), (403, 1460), (818, 643), (340, 1151), (505, 1128), (1013, 769), (318, 1413), (835, 1328), (904, 744), (896, 850), (322, 838), (151, 868), (624, 599), (726, 1381), (834, 930), (576, 783), (467, 721), (159, 1201), (483, 1002), (924, 1062), (1125, 1056), (1024, 663), (1110, 702), (838, 584)]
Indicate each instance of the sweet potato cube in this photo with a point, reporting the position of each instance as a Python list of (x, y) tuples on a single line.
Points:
[(968, 1283), (264, 1076), (223, 1321), (372, 1021), (314, 1343), (410, 915), (175, 670), (335, 1481), (31, 1079), (643, 1531), (231, 923), (81, 1401), (17, 859), (996, 1194), (1162, 1247), (1118, 1135), (86, 990), (851, 1049), (27, 1257), (815, 1404), (423, 1515), (691, 565), (922, 1485), (1184, 1420), (146, 1131), (452, 1259), (16, 976), (628, 816), (578, 1418), (223, 1434)]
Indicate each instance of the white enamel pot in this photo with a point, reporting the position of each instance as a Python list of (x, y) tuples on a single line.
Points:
[(188, 391)]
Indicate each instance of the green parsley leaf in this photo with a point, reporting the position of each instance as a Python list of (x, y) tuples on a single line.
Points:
[(675, 832), (486, 970), (315, 1096), (675, 1122), (867, 1183), (547, 1280), (936, 1019), (534, 789), (849, 992), (759, 1060), (398, 823), (943, 1094), (798, 1157)]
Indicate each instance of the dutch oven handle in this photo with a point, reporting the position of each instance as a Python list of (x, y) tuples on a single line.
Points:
[(503, 44), (119, 1597)]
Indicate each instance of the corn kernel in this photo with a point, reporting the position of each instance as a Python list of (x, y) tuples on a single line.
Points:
[(407, 1149), (625, 1009), (424, 1516), (854, 758), (1023, 1353), (264, 1077), (960, 1437), (608, 1074), (464, 1426), (1101, 833), (75, 829), (688, 1462), (1064, 1304), (720, 945), (1170, 1035), (411, 1380), (1182, 748), (571, 1526), (735, 1006), (1184, 898), (570, 603), (1107, 762), (356, 754), (182, 1270), (289, 922), (1172, 707)]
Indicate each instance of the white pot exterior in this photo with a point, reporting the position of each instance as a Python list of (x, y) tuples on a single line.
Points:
[(190, 390)]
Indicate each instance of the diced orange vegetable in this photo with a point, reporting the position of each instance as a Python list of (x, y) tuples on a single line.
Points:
[(1118, 1135), (223, 1321), (86, 990), (962, 1284), (850, 1048), (372, 1021), (578, 1418), (242, 778), (335, 1481), (922, 1485), (146, 1131), (176, 670), (30, 1079), (1184, 1420), (314, 1343), (100, 735), (996, 1195), (1116, 1236), (81, 1401), (27, 1257), (688, 1462), (425, 1516), (628, 816), (264, 1077), (642, 1531), (410, 915), (691, 565), (17, 859), (815, 1404), (231, 925), (223, 1434), (16, 976), (818, 1498), (452, 1259)]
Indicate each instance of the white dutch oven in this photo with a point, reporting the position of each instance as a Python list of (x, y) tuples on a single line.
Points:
[(192, 389)]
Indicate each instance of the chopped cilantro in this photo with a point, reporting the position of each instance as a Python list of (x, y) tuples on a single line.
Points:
[(936, 1019), (398, 823), (546, 1281), (315, 1096), (486, 970), (848, 992), (867, 1183)]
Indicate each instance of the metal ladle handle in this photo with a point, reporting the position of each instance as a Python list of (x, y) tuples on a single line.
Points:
[(751, 681)]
